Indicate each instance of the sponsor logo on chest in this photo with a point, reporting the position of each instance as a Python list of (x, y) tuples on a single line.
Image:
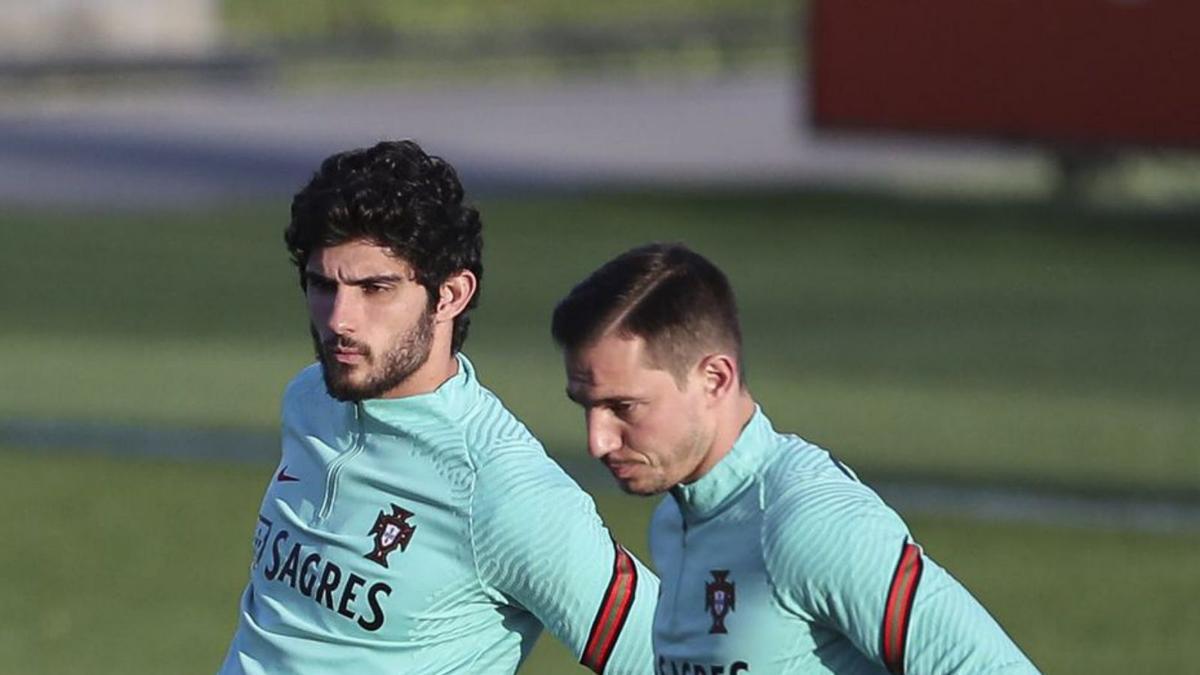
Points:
[(325, 582)]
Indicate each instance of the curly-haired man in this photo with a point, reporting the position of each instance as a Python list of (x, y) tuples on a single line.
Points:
[(413, 524)]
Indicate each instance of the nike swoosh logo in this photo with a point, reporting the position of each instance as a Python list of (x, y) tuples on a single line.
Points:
[(285, 477)]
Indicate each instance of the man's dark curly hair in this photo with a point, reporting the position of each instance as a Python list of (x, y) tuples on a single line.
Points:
[(392, 195)]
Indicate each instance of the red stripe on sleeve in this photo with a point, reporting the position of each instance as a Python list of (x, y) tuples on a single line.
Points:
[(896, 613), (614, 610), (622, 601)]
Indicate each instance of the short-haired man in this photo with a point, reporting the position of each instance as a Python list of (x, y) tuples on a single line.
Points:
[(773, 557), (413, 524)]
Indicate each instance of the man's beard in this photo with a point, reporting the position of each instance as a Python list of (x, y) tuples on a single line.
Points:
[(407, 353)]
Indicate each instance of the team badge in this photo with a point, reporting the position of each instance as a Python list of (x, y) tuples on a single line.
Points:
[(391, 532), (719, 599)]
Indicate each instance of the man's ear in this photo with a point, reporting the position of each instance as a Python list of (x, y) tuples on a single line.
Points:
[(719, 376), (455, 294)]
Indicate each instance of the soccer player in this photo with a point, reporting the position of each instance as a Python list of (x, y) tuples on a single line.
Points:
[(774, 558), (413, 524)]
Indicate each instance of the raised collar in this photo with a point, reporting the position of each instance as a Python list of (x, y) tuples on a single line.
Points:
[(708, 495), (451, 399)]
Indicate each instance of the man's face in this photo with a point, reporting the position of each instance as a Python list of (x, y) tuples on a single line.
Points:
[(371, 323), (650, 433)]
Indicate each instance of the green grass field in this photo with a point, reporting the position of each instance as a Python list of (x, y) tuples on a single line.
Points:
[(297, 19), (986, 342), (334, 42), (975, 342), (118, 566)]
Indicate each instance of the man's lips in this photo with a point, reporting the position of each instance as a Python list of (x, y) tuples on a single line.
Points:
[(348, 356), (622, 469)]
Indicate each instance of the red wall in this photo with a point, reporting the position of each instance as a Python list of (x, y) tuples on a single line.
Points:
[(1075, 71)]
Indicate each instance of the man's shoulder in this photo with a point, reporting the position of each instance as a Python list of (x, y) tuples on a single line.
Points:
[(810, 494), (517, 482), (800, 473), (305, 399), (817, 520), (306, 382), (491, 432), (506, 454), (801, 495)]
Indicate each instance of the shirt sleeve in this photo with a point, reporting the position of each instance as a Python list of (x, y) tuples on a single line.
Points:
[(840, 557), (540, 542)]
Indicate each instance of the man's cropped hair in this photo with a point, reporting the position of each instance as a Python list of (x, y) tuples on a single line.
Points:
[(392, 195), (670, 296)]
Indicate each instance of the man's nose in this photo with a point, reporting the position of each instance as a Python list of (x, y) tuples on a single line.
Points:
[(343, 311), (333, 310), (603, 435)]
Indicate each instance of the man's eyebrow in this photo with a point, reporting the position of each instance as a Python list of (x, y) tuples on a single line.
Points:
[(599, 402), (364, 281)]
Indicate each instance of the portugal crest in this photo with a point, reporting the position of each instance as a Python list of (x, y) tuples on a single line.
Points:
[(391, 532), (719, 599)]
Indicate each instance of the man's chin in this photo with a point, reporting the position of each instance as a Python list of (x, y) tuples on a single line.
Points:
[(345, 393), (637, 488), (342, 384)]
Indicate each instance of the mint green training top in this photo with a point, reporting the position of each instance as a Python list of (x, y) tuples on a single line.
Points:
[(429, 534), (779, 560)]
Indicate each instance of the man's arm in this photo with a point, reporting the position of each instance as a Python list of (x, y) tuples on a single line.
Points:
[(539, 541), (838, 555)]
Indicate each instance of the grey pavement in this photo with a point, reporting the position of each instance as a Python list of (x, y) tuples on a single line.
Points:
[(188, 146)]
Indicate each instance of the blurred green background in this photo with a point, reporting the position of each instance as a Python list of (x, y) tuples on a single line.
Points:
[(986, 341), (982, 341), (378, 39), (974, 342), (283, 19)]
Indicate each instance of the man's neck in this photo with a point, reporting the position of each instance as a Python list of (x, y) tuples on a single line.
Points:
[(732, 419), (435, 372)]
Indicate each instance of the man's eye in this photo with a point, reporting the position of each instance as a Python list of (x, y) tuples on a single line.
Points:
[(373, 289), (623, 408)]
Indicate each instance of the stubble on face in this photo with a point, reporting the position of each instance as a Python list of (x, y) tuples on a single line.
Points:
[(665, 439), (653, 471), (377, 374)]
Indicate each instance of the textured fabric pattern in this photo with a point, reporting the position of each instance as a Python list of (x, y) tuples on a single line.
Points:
[(780, 561), (428, 534)]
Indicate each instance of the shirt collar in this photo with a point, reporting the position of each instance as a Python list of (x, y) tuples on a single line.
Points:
[(451, 398), (706, 496)]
